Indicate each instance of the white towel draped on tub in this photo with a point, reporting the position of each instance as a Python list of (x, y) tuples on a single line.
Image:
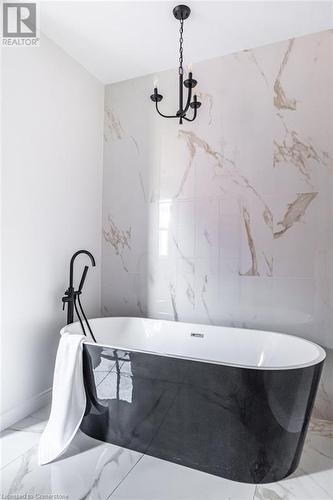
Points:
[(68, 399)]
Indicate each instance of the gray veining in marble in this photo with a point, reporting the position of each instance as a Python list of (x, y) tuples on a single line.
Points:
[(119, 239), (281, 101), (253, 271), (112, 126), (295, 211)]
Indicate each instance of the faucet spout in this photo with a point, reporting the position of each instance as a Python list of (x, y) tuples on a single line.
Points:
[(93, 263)]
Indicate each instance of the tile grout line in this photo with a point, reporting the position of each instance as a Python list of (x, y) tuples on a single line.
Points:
[(24, 418), (125, 477), (23, 430)]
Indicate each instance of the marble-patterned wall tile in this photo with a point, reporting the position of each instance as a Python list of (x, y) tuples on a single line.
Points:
[(208, 309), (207, 229), (185, 240), (256, 299), (226, 220)]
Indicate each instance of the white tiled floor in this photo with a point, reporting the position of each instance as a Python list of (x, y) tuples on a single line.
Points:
[(93, 470)]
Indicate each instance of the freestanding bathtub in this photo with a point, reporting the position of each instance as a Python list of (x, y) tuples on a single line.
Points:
[(231, 402)]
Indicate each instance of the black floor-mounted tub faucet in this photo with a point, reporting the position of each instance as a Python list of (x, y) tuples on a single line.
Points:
[(71, 294)]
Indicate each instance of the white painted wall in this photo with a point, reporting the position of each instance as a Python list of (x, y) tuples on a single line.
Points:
[(52, 121)]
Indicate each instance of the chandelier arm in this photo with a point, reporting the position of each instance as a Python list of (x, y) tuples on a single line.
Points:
[(189, 96), (161, 114), (193, 117)]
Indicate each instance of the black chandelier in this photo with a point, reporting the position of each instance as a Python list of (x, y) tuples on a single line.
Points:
[(181, 12)]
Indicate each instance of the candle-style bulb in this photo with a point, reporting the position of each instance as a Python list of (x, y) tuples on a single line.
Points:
[(155, 83), (189, 68)]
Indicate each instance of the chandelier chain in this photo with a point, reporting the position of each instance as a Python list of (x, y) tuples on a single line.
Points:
[(181, 40)]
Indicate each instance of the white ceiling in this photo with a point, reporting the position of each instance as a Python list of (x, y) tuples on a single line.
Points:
[(118, 40)]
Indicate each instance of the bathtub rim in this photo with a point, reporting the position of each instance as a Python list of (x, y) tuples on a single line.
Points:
[(319, 359)]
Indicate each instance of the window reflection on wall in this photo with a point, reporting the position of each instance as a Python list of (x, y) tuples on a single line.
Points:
[(118, 383)]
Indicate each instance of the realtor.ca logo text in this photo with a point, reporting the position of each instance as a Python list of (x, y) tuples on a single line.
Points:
[(20, 24)]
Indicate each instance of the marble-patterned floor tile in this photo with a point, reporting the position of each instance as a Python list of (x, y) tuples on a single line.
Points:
[(313, 480), (93, 470), (304, 488), (14, 443), (155, 479), (89, 469)]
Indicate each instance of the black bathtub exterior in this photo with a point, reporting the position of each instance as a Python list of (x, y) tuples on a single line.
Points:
[(242, 424)]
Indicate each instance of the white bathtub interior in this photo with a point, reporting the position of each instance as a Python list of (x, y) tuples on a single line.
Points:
[(224, 345)]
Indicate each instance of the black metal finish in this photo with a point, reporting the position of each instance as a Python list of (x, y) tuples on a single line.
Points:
[(243, 424), (71, 294), (190, 83), (156, 97), (195, 104), (71, 266), (181, 12)]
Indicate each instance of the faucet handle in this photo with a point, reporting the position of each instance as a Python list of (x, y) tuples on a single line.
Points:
[(65, 300), (68, 297)]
